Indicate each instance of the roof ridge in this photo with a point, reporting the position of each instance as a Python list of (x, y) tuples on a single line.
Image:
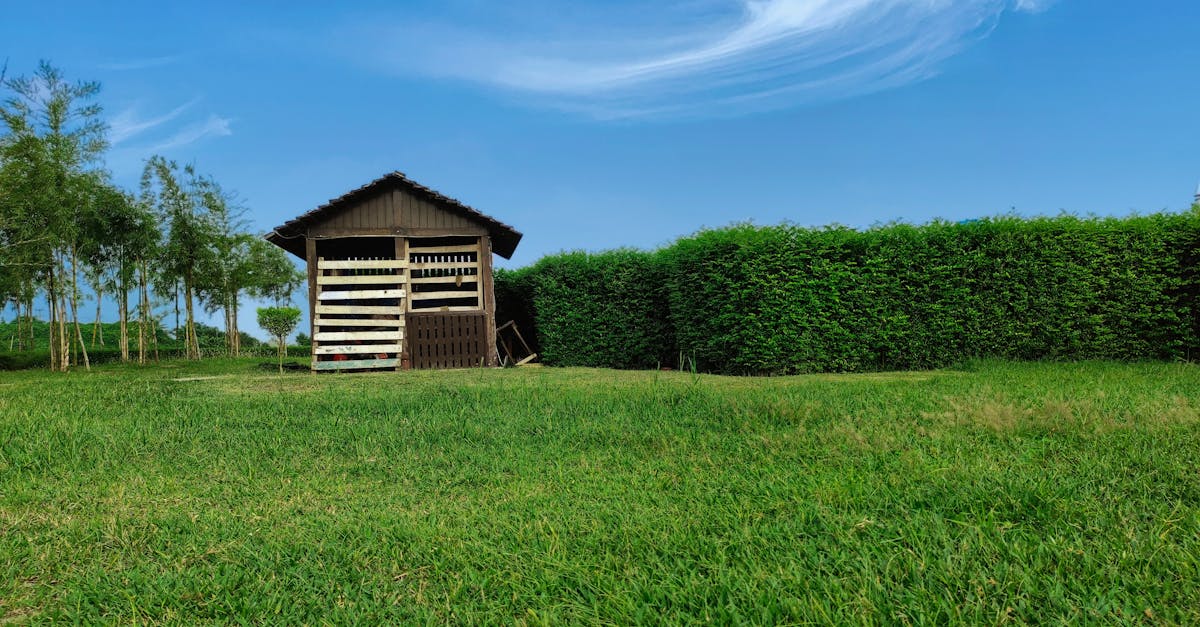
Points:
[(291, 228)]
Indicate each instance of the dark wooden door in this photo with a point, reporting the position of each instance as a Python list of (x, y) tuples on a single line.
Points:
[(447, 339)]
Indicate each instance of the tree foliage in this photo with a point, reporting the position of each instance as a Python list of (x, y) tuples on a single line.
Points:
[(279, 322), (61, 217), (53, 137)]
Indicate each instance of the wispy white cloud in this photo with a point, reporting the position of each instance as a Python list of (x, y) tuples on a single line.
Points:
[(699, 57), (138, 64), (128, 123), (126, 160), (214, 126), (1034, 6)]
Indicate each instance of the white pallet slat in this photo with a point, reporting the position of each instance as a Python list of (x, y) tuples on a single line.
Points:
[(346, 336), (447, 294), (353, 349), (354, 364), (360, 264), (359, 279), (359, 294), (417, 249), (394, 310), (444, 265), (358, 322), (447, 308), (451, 279)]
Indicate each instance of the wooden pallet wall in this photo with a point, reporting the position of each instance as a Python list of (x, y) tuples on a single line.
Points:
[(445, 277), (359, 313)]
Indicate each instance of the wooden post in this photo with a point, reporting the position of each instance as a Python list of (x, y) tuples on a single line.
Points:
[(489, 297), (310, 256), (402, 253)]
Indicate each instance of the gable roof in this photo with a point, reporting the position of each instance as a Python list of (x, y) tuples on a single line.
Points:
[(290, 235)]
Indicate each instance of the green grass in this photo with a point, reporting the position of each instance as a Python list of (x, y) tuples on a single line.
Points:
[(998, 493)]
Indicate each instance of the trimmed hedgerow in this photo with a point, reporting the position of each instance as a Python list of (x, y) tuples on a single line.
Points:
[(784, 299), (788, 299), (608, 310), (514, 301)]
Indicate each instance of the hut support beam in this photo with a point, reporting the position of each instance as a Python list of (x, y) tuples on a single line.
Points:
[(489, 298), (402, 253), (310, 256)]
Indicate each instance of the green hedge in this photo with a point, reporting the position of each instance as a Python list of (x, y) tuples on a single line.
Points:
[(514, 302), (606, 309), (785, 299)]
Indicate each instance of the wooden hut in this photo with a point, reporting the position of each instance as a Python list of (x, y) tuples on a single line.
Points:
[(398, 276)]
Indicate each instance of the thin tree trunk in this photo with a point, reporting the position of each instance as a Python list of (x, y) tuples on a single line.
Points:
[(143, 308), (17, 336), (29, 341), (151, 320), (57, 358), (64, 333), (229, 334), (193, 345), (20, 329), (53, 341), (237, 332), (29, 324), (87, 364), (154, 337), (96, 327), (123, 305)]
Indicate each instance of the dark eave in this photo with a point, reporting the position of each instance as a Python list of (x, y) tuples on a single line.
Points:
[(290, 235)]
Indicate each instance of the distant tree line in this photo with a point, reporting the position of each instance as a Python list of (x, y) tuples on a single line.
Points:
[(65, 226)]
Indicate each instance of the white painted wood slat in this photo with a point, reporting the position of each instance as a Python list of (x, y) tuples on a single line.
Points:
[(367, 279), (394, 310), (346, 336), (447, 294), (352, 349), (444, 265), (444, 308), (359, 294), (451, 279), (358, 322), (355, 264), (417, 249), (354, 364)]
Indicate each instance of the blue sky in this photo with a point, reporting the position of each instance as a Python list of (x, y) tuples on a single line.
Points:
[(593, 125)]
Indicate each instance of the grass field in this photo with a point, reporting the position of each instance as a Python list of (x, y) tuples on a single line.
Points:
[(217, 491)]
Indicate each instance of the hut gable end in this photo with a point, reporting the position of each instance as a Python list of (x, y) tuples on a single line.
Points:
[(393, 205), (392, 212)]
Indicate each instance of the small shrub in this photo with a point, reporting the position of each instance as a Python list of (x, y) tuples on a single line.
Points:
[(279, 322)]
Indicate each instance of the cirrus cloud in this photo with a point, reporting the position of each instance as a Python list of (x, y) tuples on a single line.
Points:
[(696, 57)]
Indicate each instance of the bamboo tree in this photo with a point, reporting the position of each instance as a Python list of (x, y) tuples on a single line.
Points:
[(188, 239), (136, 248), (224, 272), (117, 232), (53, 135)]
